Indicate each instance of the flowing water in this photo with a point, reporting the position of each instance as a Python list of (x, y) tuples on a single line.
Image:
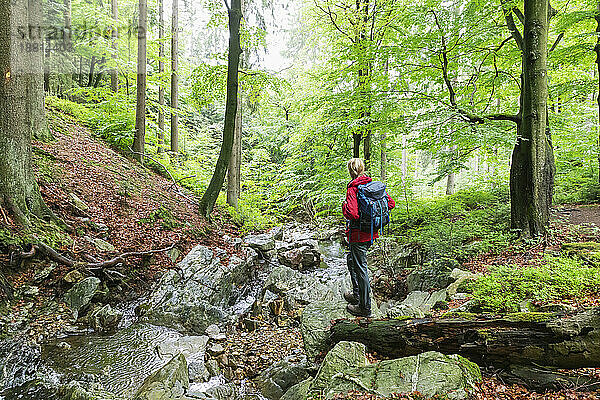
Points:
[(120, 362)]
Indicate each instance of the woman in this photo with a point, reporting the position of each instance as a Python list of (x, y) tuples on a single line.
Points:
[(360, 298)]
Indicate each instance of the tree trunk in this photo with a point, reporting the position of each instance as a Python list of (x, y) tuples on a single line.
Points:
[(571, 342), (216, 183), (98, 75), (161, 71), (22, 114), (357, 138), (597, 50), (140, 110), (367, 148), (91, 72), (114, 73), (450, 183), (532, 167), (383, 158), (174, 66), (234, 169), (404, 159)]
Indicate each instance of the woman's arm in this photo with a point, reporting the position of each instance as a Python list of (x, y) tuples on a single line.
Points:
[(350, 205)]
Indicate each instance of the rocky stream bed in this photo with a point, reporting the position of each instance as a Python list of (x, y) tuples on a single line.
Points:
[(222, 326)]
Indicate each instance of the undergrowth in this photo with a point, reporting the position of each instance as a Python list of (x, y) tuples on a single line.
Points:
[(459, 226), (558, 278)]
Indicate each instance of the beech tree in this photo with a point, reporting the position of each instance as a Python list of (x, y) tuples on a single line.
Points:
[(161, 71), (21, 105), (174, 66), (216, 183), (140, 111)]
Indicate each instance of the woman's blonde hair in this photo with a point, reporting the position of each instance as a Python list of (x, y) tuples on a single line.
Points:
[(356, 167)]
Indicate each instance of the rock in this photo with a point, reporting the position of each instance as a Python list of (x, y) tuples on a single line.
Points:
[(194, 350), (44, 273), (299, 391), (105, 319), (86, 391), (276, 232), (100, 244), (227, 391), (278, 378), (98, 226), (174, 254), (197, 294), (416, 305), (435, 275), (215, 349), (30, 291), (73, 276), (81, 293), (405, 257), (78, 203), (168, 383), (429, 373), (263, 242), (299, 255), (343, 357), (315, 323), (214, 333), (459, 277), (213, 367)]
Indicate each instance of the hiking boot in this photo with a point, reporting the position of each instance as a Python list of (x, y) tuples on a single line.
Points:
[(351, 298), (357, 311)]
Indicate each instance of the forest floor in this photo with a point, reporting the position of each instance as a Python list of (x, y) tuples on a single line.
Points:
[(142, 211)]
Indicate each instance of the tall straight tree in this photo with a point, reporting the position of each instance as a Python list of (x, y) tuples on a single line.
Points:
[(234, 168), (174, 66), (597, 50), (233, 60), (114, 73), (532, 168), (140, 110), (21, 115), (161, 71)]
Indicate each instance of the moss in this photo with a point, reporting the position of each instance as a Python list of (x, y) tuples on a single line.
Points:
[(470, 368), (585, 247), (459, 315), (164, 216), (529, 316), (403, 317)]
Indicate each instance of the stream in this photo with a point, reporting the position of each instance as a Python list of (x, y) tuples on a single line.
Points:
[(118, 363)]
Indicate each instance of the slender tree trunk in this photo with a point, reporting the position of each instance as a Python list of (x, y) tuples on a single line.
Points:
[(114, 73), (174, 66), (383, 156), (357, 138), (451, 182), (404, 159), (80, 71), (91, 73), (100, 71), (140, 111), (532, 168), (21, 102), (216, 183), (597, 49), (234, 169), (161, 71)]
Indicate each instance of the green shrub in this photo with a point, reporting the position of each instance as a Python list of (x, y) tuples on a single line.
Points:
[(460, 226), (559, 278)]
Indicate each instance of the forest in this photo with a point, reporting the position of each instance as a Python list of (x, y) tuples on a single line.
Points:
[(175, 180)]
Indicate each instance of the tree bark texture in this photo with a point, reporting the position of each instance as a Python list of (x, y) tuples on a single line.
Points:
[(532, 167), (174, 67), (140, 110), (235, 162), (563, 342), (216, 183), (114, 73), (21, 105), (161, 71), (597, 50)]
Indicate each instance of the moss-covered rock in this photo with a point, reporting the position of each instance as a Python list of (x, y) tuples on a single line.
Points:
[(430, 373), (344, 356), (168, 383)]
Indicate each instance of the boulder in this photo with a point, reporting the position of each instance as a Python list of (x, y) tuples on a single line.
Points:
[(429, 373), (227, 391), (416, 305), (435, 275), (278, 378), (81, 293), (459, 277), (73, 276), (299, 391), (315, 324), (100, 244), (168, 383), (263, 242), (194, 350), (197, 294), (78, 203), (105, 319), (344, 356)]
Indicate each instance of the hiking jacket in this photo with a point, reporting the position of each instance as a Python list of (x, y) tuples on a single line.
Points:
[(350, 210)]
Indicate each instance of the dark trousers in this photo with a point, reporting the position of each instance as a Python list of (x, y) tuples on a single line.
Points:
[(359, 274)]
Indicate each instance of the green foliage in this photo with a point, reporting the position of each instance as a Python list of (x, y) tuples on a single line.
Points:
[(559, 278), (164, 217), (251, 214), (458, 226)]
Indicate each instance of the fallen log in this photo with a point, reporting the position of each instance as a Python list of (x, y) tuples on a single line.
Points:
[(519, 339)]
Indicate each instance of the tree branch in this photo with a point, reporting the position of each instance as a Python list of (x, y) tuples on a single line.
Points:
[(510, 23), (556, 42)]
